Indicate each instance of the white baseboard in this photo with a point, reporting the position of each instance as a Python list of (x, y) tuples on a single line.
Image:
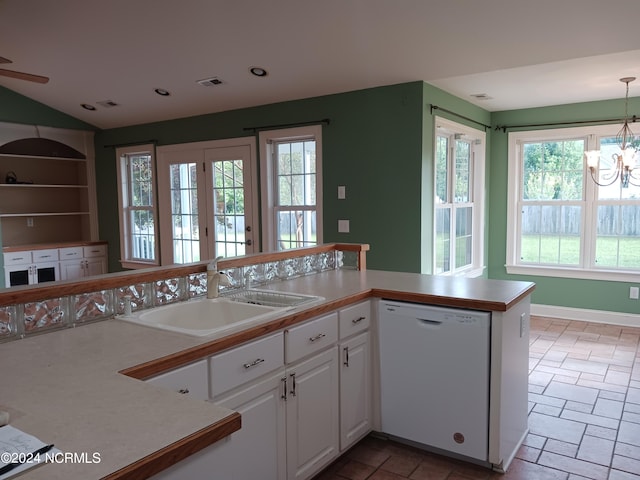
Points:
[(596, 316)]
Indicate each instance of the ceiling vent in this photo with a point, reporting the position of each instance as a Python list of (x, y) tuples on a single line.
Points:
[(210, 82), (481, 96), (107, 103)]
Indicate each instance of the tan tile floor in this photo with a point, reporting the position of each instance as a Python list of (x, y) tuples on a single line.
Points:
[(584, 415)]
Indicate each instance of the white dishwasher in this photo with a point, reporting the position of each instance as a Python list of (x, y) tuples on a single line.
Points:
[(434, 376)]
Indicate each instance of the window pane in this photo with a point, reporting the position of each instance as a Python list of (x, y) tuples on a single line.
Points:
[(618, 236), (463, 172), (464, 245), (142, 235), (442, 149), (296, 229), (141, 181), (443, 240), (551, 234), (553, 170)]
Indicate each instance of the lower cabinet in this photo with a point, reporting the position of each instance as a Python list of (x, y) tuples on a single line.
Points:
[(312, 414), (258, 450), (304, 396), (355, 390)]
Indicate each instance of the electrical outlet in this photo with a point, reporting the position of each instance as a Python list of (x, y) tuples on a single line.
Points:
[(29, 221), (343, 226), (342, 192), (634, 293)]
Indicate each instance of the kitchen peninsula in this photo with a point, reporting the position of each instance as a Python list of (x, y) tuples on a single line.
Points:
[(81, 389)]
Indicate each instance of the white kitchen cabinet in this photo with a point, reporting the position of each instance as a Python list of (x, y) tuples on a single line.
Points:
[(355, 389), (27, 267), (211, 463), (192, 379), (82, 261), (259, 448), (312, 414)]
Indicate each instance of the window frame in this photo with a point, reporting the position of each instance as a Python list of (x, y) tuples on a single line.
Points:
[(587, 268), (125, 209), (477, 144), (269, 207)]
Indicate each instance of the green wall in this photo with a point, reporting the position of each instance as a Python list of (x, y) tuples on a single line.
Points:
[(575, 293)]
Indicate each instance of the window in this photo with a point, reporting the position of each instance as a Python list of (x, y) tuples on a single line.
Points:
[(458, 216), (560, 222), (292, 213), (136, 199)]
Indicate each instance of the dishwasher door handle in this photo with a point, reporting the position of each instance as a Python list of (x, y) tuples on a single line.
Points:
[(426, 321)]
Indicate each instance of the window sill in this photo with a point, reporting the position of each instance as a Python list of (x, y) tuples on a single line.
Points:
[(133, 265), (578, 273), (470, 273)]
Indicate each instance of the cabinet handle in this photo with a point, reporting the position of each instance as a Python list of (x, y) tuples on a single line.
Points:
[(317, 337), (284, 389), (293, 385), (346, 356), (357, 320), (45, 256), (257, 361), (183, 391)]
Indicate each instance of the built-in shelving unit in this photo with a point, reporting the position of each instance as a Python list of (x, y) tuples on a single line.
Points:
[(51, 198)]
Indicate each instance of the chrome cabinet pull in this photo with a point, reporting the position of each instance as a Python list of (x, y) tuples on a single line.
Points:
[(357, 320), (346, 356), (293, 384), (257, 361), (183, 391), (284, 389), (317, 337)]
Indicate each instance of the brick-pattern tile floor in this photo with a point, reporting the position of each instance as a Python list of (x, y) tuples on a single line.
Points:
[(584, 416)]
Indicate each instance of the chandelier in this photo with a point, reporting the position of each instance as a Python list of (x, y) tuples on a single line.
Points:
[(625, 161)]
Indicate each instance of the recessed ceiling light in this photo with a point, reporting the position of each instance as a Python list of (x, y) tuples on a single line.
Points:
[(86, 106), (258, 71), (162, 92)]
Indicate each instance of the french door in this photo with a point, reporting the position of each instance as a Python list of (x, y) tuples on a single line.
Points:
[(206, 197)]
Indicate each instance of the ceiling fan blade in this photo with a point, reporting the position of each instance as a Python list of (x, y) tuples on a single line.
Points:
[(24, 76), (5, 60)]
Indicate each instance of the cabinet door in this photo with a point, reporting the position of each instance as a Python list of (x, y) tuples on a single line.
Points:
[(312, 414), (355, 390), (95, 266), (212, 462), (71, 269), (258, 449)]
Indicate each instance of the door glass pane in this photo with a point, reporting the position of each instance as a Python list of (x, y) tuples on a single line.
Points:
[(443, 240), (296, 229), (464, 245), (184, 213), (229, 211)]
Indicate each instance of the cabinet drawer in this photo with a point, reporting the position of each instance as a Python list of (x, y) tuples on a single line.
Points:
[(18, 258), (70, 253), (354, 319), (47, 255), (191, 379), (243, 364), (95, 251), (311, 337)]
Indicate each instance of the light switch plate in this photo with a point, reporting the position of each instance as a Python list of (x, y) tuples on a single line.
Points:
[(343, 226), (342, 192)]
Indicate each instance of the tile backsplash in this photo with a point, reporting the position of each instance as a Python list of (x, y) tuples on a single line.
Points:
[(18, 321)]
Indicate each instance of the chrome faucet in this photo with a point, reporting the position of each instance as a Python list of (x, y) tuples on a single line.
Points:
[(215, 279)]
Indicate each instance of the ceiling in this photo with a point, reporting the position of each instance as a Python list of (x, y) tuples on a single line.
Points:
[(520, 53)]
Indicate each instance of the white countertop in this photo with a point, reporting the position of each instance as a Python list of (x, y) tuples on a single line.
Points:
[(64, 387)]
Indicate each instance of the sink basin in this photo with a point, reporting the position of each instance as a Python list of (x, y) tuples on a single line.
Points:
[(204, 317)]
